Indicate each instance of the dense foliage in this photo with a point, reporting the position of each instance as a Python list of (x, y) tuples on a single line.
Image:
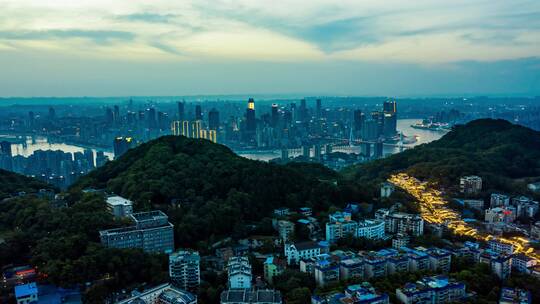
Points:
[(218, 192), (64, 245), (497, 150), (11, 183)]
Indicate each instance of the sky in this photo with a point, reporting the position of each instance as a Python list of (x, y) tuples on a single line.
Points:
[(312, 47)]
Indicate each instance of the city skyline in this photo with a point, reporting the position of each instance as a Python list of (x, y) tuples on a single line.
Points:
[(157, 48)]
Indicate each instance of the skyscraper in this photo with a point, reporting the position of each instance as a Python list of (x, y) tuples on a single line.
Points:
[(303, 110), (358, 118), (181, 110), (116, 114), (213, 119), (319, 109), (390, 106), (121, 145), (198, 112), (251, 123), (275, 115), (151, 117), (52, 113), (109, 116)]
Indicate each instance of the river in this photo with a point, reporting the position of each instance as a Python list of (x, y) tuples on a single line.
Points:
[(26, 145), (403, 125)]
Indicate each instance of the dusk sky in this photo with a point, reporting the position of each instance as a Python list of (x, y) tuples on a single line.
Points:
[(157, 47)]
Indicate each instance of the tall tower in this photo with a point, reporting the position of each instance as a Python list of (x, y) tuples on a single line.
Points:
[(250, 116)]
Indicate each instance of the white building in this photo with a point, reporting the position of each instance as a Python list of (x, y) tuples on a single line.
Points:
[(239, 273), (371, 229), (500, 215), (184, 270), (470, 184), (340, 226), (119, 206), (297, 251)]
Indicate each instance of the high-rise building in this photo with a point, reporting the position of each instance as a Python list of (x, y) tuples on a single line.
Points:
[(181, 110), (116, 114), (358, 119), (275, 115), (5, 148), (251, 123), (184, 269), (389, 124), (109, 116), (303, 110), (198, 112), (151, 117), (318, 109), (390, 106), (121, 145), (213, 119), (195, 129), (52, 113)]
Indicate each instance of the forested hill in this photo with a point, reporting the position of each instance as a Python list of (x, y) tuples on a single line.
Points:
[(11, 183), (497, 150), (218, 189)]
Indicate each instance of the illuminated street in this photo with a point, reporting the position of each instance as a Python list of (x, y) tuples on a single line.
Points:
[(434, 209)]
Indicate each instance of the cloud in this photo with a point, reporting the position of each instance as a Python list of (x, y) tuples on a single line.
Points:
[(98, 36), (148, 17)]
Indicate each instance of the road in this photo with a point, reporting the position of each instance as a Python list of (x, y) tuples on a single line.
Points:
[(434, 209)]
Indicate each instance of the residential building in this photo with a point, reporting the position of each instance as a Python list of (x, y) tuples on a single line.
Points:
[(152, 232), (184, 270), (434, 290), (477, 204), (351, 268), (470, 184), (305, 250), (399, 222), (498, 200), (246, 296), (340, 225), (515, 296), (374, 266), (400, 240), (162, 294), (523, 263), (119, 206), (398, 263), (439, 259), (239, 273), (273, 267), (285, 230), (26, 293), (282, 211), (501, 247), (326, 273), (387, 189), (500, 264), (535, 230), (362, 293), (306, 211), (371, 229), (525, 206), (500, 215), (418, 260)]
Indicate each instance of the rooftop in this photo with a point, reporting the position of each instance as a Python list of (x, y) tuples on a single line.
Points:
[(26, 290), (115, 200)]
